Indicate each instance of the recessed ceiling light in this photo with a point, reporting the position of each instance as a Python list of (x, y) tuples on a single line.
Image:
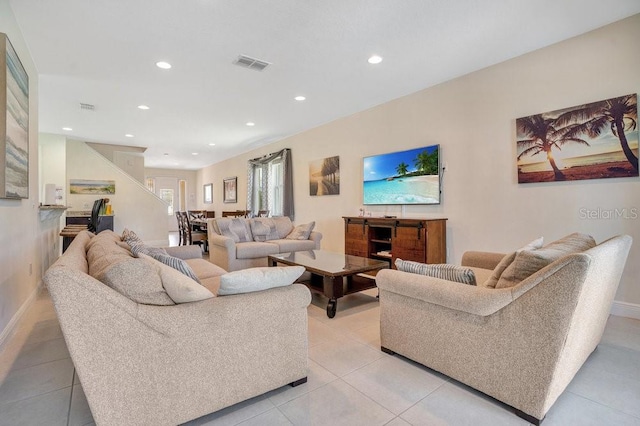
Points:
[(143, 107), (163, 65), (68, 129), (166, 153), (128, 135), (251, 123), (299, 98), (212, 144), (194, 153), (375, 59)]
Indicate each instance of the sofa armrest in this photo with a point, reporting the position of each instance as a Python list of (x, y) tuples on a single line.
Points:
[(481, 259), (216, 239), (453, 295), (316, 237), (185, 252)]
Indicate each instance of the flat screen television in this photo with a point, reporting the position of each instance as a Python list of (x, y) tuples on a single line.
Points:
[(404, 177)]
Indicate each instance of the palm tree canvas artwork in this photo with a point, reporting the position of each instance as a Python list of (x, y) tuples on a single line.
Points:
[(592, 141), (324, 176), (404, 177)]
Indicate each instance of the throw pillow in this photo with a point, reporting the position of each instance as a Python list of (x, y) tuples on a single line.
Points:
[(257, 279), (138, 281), (130, 237), (508, 260), (179, 287), (161, 255), (443, 271), (235, 228), (301, 232), (264, 229), (528, 262)]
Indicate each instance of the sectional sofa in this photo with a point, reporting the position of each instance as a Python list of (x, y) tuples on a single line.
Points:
[(162, 362)]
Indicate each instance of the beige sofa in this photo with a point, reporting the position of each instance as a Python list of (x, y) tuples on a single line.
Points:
[(239, 243), (521, 345), (164, 365)]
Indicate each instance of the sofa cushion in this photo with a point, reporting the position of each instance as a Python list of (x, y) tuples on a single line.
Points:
[(137, 280), (293, 245), (508, 260), (301, 232), (283, 226), (528, 262), (253, 249), (212, 284), (257, 279), (235, 228), (103, 252), (263, 229), (204, 269), (443, 271), (179, 287)]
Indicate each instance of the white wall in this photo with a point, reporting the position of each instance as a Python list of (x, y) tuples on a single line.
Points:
[(20, 227), (473, 119), (133, 205), (194, 193)]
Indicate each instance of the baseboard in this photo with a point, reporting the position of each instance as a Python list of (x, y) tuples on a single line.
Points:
[(624, 309), (15, 320)]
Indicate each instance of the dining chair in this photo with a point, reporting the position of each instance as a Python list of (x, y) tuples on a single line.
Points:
[(181, 230), (193, 237)]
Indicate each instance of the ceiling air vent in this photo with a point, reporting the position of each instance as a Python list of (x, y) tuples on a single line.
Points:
[(87, 107), (251, 63)]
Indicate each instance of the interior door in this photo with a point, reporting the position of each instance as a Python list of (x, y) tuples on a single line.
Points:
[(167, 189)]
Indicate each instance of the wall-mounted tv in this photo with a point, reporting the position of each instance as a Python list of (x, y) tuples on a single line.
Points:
[(404, 177)]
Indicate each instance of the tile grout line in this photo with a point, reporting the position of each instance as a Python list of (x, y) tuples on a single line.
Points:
[(602, 405), (73, 376)]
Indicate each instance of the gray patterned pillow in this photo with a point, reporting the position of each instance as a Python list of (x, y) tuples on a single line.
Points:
[(301, 232), (442, 270), (235, 228), (264, 229), (161, 255)]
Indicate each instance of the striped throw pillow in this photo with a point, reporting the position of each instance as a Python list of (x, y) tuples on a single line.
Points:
[(442, 270)]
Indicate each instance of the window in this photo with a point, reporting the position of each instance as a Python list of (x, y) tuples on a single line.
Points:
[(167, 195), (270, 185)]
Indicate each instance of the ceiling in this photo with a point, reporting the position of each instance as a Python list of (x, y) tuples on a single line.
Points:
[(104, 54)]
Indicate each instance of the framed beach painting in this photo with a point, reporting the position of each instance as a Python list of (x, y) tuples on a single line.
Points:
[(591, 141), (91, 187), (324, 176), (230, 189), (14, 123)]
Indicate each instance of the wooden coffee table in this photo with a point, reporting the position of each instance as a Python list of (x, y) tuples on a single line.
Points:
[(332, 274)]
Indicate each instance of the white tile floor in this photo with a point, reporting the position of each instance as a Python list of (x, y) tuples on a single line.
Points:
[(351, 382)]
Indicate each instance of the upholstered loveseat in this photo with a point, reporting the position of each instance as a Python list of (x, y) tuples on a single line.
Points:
[(239, 243), (144, 364), (521, 344)]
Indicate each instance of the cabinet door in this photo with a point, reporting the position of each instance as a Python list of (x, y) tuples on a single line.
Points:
[(408, 243), (356, 242)]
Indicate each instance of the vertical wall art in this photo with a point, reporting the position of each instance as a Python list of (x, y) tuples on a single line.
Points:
[(230, 188), (14, 123), (324, 176), (591, 141)]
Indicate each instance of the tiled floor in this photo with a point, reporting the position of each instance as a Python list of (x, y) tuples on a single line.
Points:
[(351, 382)]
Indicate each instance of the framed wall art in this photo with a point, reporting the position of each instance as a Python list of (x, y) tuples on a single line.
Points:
[(14, 123), (230, 190), (591, 141), (324, 176)]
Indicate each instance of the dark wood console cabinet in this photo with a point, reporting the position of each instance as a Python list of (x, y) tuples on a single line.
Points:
[(420, 240)]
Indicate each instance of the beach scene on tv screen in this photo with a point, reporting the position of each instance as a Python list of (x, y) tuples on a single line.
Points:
[(404, 177)]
